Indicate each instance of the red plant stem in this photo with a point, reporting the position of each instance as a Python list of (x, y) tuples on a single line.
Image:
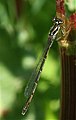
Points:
[(68, 63), (60, 7), (68, 100), (68, 66)]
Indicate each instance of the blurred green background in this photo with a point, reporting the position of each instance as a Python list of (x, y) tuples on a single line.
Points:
[(24, 26)]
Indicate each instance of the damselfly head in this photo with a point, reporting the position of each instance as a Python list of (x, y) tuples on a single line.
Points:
[(57, 21)]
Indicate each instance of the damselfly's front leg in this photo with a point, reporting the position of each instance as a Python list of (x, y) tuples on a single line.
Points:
[(63, 34)]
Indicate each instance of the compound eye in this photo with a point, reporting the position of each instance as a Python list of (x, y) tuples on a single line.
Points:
[(60, 21), (55, 18), (57, 22)]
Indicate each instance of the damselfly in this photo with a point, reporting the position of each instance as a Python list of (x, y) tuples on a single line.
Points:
[(32, 84)]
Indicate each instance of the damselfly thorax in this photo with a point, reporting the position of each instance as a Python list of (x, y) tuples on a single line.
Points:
[(32, 84)]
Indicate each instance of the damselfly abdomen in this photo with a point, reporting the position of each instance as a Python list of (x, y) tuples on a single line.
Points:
[(32, 84)]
